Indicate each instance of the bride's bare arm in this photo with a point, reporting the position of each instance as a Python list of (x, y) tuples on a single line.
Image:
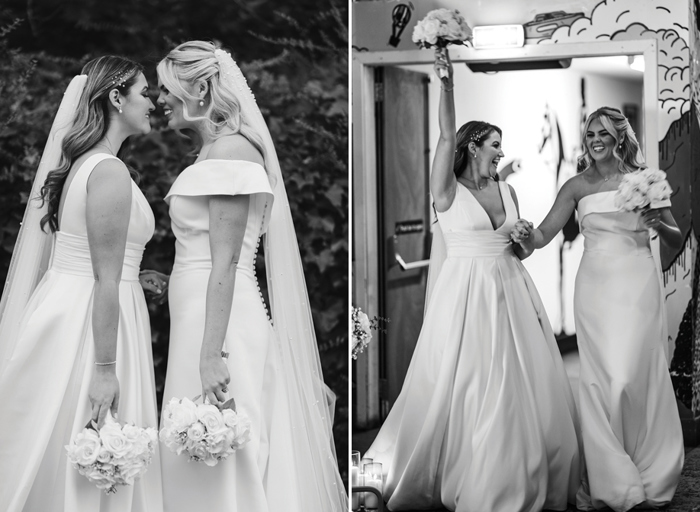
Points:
[(443, 183), (107, 217), (228, 216), (564, 205)]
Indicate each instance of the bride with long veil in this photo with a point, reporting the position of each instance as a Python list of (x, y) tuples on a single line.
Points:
[(223, 343)]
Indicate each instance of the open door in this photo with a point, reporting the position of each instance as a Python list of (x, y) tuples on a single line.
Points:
[(404, 226)]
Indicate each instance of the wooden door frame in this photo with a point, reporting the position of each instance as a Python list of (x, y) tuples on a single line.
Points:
[(364, 165)]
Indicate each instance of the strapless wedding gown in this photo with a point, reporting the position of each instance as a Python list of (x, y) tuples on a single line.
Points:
[(486, 420), (632, 435), (44, 383)]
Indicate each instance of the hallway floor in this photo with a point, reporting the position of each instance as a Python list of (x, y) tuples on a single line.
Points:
[(687, 498)]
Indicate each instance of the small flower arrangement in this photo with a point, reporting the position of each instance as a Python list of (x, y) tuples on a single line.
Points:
[(206, 433), (641, 189), (441, 27), (114, 455), (362, 330)]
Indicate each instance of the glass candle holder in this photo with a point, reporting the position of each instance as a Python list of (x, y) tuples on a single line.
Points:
[(373, 478), (355, 471)]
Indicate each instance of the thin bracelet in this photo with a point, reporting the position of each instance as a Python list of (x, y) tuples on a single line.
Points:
[(105, 364), (447, 90)]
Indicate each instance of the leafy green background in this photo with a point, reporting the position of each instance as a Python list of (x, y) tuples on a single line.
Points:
[(295, 55)]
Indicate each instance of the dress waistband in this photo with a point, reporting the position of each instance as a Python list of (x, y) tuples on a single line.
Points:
[(71, 255), (477, 244), (617, 244)]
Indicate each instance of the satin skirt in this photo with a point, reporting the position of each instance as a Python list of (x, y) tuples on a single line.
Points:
[(486, 420), (632, 436), (44, 389), (254, 478)]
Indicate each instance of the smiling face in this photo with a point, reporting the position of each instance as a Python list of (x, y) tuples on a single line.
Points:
[(136, 107), (489, 154), (174, 109), (600, 143)]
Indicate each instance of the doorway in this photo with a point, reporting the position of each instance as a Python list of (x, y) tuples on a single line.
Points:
[(379, 373)]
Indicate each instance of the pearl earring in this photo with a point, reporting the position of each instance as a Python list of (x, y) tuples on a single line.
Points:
[(120, 110), (201, 103)]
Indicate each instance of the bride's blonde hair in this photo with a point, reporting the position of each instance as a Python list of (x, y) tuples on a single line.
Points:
[(194, 62)]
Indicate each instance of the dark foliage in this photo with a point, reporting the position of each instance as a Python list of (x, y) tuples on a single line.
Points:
[(295, 57)]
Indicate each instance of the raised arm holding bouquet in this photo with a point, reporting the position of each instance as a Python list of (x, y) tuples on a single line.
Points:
[(440, 28)]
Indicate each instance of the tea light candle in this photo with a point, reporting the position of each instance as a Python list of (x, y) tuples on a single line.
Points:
[(373, 478)]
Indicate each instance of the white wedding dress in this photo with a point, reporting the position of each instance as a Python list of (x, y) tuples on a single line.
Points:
[(485, 421), (44, 381), (632, 436), (257, 477)]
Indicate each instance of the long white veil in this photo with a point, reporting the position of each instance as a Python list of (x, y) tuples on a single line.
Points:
[(30, 257), (311, 401)]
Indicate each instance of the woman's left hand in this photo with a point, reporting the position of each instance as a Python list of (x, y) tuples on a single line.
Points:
[(651, 218), (215, 378)]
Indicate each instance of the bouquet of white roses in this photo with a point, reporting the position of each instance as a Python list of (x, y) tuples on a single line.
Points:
[(440, 28), (114, 455), (361, 333), (641, 189), (205, 432)]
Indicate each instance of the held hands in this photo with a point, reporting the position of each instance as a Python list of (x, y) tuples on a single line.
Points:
[(442, 61), (215, 378), (155, 284), (103, 394), (522, 231)]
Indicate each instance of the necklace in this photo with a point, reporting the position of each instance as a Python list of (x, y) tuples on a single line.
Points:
[(606, 178), (478, 187), (111, 151)]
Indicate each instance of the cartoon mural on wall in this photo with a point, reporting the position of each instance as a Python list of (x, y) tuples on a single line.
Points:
[(630, 19), (675, 24)]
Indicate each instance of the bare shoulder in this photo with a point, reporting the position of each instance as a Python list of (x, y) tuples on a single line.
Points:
[(575, 187), (112, 174), (235, 147)]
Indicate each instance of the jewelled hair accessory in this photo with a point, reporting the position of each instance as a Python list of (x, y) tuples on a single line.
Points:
[(474, 137), (119, 79)]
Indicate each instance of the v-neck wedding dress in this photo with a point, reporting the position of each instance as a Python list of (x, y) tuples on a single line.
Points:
[(486, 419)]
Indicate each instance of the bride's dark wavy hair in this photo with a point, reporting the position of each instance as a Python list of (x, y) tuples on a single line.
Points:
[(476, 132), (92, 119)]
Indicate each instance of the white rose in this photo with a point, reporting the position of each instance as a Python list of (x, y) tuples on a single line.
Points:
[(452, 30), (182, 413), (114, 440), (431, 30), (418, 33), (104, 456), (210, 417), (196, 432), (85, 447), (659, 191), (219, 441), (230, 417), (638, 200), (198, 452)]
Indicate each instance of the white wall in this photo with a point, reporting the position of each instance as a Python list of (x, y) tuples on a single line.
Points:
[(516, 101)]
